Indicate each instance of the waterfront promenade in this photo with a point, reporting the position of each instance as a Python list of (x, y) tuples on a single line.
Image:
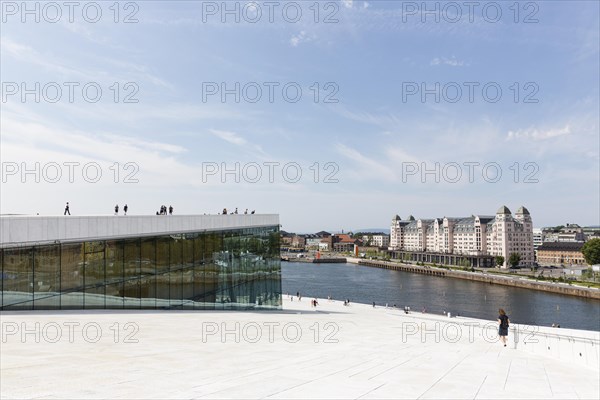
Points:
[(332, 351)]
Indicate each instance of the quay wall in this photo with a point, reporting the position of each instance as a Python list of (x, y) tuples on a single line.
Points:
[(571, 290)]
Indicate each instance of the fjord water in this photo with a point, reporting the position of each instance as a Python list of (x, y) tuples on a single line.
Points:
[(363, 284)]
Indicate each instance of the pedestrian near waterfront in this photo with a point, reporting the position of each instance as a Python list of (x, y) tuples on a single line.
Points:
[(373, 304), (117, 209), (170, 210), (67, 211), (503, 324), (125, 208)]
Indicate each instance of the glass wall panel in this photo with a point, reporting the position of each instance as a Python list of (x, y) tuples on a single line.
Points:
[(148, 273), (94, 275), (162, 272), (199, 273), (113, 255), (71, 276), (230, 269), (2, 278), (46, 277), (18, 282), (131, 268), (175, 271), (211, 269), (187, 273)]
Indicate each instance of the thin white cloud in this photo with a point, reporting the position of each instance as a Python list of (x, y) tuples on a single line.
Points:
[(230, 137), (236, 139), (349, 4), (301, 37), (25, 53), (32, 142), (139, 70), (368, 168), (147, 145), (387, 121), (452, 61), (537, 134)]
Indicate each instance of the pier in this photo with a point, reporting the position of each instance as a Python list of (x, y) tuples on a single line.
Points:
[(333, 260), (400, 267)]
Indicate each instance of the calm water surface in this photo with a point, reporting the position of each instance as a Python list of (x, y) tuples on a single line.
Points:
[(471, 299)]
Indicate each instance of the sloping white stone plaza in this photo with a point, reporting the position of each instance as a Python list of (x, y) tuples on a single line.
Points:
[(331, 352)]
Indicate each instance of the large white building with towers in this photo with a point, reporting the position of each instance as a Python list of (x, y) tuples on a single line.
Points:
[(471, 238)]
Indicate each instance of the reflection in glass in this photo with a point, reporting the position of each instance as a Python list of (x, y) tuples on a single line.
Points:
[(175, 271), (235, 269), (17, 279), (131, 273), (187, 272), (46, 282), (71, 276), (94, 275), (114, 274), (148, 273)]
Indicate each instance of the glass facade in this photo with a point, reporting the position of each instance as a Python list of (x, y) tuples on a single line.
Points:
[(230, 269)]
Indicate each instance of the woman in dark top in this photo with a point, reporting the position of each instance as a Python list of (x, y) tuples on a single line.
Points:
[(503, 323)]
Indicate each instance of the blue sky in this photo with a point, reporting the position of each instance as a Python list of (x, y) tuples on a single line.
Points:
[(374, 130)]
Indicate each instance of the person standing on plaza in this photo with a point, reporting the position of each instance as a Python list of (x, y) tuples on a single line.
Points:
[(117, 209), (503, 323), (170, 210), (125, 208), (67, 211)]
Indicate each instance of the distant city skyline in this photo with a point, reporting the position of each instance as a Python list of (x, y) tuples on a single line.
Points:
[(341, 115)]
